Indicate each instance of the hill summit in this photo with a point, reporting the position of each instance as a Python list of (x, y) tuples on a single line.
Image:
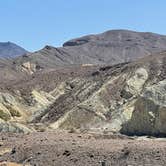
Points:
[(9, 50)]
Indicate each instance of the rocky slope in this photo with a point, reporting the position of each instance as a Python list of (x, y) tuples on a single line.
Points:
[(111, 47), (127, 98), (79, 105), (10, 50), (72, 88)]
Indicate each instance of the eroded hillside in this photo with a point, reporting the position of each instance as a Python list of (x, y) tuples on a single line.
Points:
[(127, 98)]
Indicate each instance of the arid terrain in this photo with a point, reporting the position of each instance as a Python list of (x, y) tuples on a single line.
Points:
[(68, 149), (98, 100)]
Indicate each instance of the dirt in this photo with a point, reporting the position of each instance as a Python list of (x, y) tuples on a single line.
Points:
[(61, 148)]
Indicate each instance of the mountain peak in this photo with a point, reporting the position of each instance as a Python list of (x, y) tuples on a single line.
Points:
[(9, 50)]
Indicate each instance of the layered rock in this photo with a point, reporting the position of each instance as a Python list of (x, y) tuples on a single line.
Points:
[(131, 102), (127, 98), (149, 115)]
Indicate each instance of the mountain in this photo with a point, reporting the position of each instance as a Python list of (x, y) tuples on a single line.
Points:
[(76, 115), (111, 47), (81, 103), (10, 50), (63, 88), (126, 98)]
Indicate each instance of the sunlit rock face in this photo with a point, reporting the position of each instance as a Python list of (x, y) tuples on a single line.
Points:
[(131, 102), (149, 115), (106, 109)]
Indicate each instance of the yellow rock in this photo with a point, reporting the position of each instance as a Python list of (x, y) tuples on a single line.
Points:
[(10, 164), (4, 113), (29, 67), (5, 150)]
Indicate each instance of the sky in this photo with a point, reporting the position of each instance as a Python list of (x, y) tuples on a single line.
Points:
[(33, 24)]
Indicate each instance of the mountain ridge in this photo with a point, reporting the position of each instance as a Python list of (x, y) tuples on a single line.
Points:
[(108, 48)]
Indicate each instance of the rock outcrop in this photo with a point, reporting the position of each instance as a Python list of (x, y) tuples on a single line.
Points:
[(127, 98), (131, 101), (149, 115)]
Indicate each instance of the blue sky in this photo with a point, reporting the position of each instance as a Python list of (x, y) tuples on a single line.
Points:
[(35, 23)]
